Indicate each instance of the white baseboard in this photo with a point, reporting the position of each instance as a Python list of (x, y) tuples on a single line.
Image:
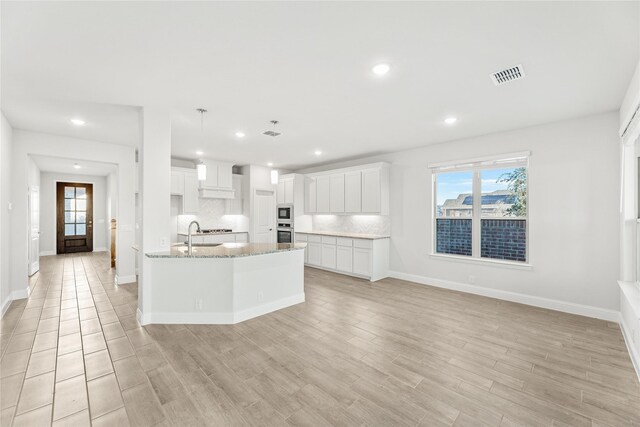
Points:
[(122, 280), (552, 304), (47, 253), (21, 294), (633, 354), (100, 249), (220, 318), (5, 304)]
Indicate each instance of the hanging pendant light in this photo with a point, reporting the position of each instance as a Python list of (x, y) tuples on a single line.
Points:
[(274, 176), (201, 167)]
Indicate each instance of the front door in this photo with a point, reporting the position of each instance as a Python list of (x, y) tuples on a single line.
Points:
[(265, 215), (74, 217)]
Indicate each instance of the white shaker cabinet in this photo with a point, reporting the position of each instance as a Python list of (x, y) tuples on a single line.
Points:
[(371, 191), (323, 193), (353, 192), (336, 193), (177, 183), (235, 206), (285, 192), (310, 193), (184, 183), (366, 258)]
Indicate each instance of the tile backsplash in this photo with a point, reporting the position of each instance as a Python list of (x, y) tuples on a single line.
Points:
[(211, 214), (364, 224)]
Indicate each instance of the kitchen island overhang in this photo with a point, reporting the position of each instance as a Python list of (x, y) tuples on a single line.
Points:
[(225, 284)]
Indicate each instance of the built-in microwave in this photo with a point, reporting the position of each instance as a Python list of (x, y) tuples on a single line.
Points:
[(285, 213)]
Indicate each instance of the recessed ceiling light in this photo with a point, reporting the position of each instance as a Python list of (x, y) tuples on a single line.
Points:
[(199, 153), (450, 120), (76, 166), (240, 134), (78, 122), (317, 152), (269, 164), (381, 69)]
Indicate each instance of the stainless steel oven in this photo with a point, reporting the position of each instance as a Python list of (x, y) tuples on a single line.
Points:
[(285, 232), (285, 213)]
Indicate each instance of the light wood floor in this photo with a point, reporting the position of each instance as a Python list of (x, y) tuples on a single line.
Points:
[(389, 353)]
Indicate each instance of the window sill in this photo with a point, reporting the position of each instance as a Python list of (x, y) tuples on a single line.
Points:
[(484, 261)]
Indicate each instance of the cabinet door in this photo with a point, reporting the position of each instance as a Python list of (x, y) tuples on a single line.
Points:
[(177, 183), (280, 193), (353, 192), (225, 173), (329, 256), (288, 191), (336, 192), (315, 253), (242, 237), (371, 191), (362, 261), (310, 195), (344, 259), (323, 189), (190, 202), (234, 206), (212, 175)]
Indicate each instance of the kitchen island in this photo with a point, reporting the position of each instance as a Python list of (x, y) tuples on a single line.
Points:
[(226, 283)]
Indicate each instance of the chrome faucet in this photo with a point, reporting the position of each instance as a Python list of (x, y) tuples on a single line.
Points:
[(190, 237)]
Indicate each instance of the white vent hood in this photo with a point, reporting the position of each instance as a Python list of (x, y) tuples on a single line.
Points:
[(219, 182)]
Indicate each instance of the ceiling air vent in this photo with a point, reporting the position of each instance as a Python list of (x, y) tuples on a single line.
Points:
[(505, 76)]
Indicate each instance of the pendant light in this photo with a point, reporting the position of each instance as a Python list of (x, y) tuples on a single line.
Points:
[(201, 168), (274, 176)]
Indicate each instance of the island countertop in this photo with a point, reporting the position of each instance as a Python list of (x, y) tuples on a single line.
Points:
[(346, 234), (226, 250)]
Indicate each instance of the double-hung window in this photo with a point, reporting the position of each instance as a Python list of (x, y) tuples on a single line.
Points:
[(480, 208)]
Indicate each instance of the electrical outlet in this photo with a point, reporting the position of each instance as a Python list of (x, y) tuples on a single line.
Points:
[(260, 296), (472, 279), (163, 242), (199, 304)]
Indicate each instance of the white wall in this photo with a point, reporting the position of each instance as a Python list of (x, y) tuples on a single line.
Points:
[(48, 212), (6, 135), (27, 143), (574, 176)]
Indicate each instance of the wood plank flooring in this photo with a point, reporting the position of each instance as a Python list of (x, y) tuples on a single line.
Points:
[(389, 353)]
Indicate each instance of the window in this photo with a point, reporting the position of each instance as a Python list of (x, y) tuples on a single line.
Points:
[(481, 209), (75, 211)]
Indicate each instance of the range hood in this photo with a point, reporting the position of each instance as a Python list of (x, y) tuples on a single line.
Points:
[(218, 183)]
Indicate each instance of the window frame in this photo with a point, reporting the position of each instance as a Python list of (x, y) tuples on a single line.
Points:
[(476, 166)]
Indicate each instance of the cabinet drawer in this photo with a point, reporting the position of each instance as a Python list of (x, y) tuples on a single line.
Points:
[(328, 240), (344, 242), (314, 239), (301, 237), (360, 243)]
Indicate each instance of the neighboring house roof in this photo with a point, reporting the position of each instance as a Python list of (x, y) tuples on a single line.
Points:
[(465, 201)]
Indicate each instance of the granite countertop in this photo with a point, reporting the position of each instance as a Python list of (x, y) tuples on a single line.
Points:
[(213, 234), (347, 235), (227, 250)]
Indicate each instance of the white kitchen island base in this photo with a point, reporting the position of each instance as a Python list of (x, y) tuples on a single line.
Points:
[(205, 289)]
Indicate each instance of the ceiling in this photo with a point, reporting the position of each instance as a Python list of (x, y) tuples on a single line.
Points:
[(308, 65), (66, 166)]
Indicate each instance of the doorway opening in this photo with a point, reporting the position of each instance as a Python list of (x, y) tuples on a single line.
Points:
[(74, 218)]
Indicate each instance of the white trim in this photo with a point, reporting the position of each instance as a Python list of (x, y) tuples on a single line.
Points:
[(483, 261), (122, 280), (100, 249), (633, 354), (21, 294), (477, 161), (47, 253), (552, 304), (220, 318), (5, 305)]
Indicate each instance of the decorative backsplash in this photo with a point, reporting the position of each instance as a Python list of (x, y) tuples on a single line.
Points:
[(365, 224), (211, 214)]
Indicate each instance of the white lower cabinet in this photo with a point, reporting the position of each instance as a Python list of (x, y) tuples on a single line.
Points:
[(362, 261), (358, 257), (216, 238), (315, 253), (344, 259), (329, 256)]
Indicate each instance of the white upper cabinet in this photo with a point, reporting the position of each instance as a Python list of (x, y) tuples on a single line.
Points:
[(361, 189), (323, 193), (337, 193), (288, 191), (280, 193), (353, 192), (235, 206), (310, 199), (371, 195), (284, 195), (184, 183), (225, 173)]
